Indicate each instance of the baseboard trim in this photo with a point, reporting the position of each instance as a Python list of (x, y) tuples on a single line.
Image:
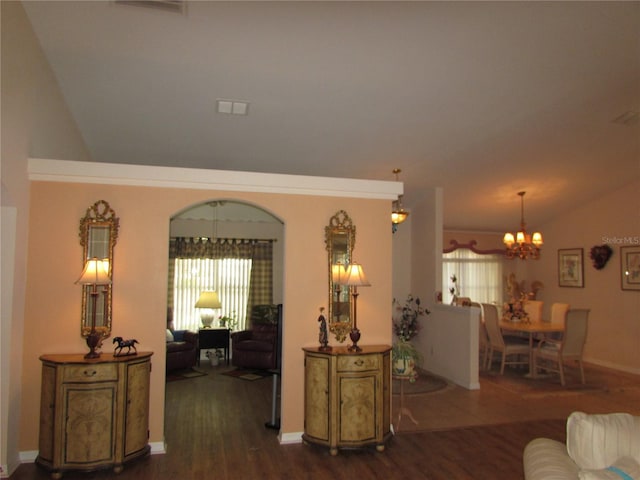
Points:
[(290, 438), (28, 456), (158, 448), (611, 365)]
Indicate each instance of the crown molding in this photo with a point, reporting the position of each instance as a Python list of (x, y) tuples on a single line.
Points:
[(48, 170)]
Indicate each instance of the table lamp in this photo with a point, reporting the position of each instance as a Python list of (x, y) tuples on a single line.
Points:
[(96, 272), (208, 301), (355, 278)]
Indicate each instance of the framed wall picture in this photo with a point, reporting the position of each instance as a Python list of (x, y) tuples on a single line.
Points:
[(630, 267), (570, 267)]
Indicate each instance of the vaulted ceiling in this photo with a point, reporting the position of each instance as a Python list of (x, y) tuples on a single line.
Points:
[(483, 99)]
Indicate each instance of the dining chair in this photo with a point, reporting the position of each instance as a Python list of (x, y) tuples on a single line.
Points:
[(534, 310), (559, 312), (463, 302), (558, 316), (498, 343), (484, 338), (570, 347)]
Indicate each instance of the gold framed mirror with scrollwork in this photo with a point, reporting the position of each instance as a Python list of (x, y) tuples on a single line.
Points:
[(98, 234), (340, 238)]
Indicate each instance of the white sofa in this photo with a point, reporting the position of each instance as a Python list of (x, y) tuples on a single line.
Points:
[(604, 446)]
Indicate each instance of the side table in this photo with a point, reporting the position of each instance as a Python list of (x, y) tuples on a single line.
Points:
[(211, 338), (403, 410), (347, 400)]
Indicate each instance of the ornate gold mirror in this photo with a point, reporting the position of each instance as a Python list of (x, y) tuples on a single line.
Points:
[(98, 234), (340, 238)]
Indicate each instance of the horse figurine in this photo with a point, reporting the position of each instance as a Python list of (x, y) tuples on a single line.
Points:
[(124, 343)]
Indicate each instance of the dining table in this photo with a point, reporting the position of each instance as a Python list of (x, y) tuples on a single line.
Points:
[(531, 328)]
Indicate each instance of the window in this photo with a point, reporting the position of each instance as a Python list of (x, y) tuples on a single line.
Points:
[(479, 277), (229, 277)]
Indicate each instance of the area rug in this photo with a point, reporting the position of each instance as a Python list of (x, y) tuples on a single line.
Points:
[(425, 383), (184, 374), (516, 381), (247, 374)]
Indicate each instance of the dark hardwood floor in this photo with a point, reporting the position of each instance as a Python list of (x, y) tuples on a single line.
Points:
[(215, 429)]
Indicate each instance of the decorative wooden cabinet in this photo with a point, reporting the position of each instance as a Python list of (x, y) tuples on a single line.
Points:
[(347, 397), (93, 413)]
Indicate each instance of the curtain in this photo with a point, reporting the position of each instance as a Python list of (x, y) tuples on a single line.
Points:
[(479, 276), (239, 270), (261, 291)]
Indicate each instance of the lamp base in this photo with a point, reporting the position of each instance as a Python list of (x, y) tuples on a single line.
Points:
[(93, 341), (354, 335), (206, 320)]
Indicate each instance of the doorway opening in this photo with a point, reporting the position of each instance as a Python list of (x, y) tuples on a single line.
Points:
[(235, 250)]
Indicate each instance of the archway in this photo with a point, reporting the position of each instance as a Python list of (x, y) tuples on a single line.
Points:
[(228, 220)]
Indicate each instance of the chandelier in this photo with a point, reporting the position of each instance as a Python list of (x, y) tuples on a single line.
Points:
[(398, 213), (523, 245)]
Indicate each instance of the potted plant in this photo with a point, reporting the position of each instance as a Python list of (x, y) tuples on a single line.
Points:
[(227, 321), (215, 357), (406, 326)]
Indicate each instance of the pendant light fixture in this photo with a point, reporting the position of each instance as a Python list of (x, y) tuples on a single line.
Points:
[(209, 299), (398, 213), (523, 245)]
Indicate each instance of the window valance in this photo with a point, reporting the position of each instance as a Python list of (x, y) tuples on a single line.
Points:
[(472, 247), (197, 247)]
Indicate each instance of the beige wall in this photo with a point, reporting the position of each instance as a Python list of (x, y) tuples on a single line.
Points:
[(417, 255), (484, 240), (614, 321), (34, 117), (139, 283)]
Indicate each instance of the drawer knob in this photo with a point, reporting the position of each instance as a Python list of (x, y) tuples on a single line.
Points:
[(359, 362), (89, 373)]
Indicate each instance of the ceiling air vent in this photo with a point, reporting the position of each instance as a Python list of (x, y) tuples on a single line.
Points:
[(174, 6)]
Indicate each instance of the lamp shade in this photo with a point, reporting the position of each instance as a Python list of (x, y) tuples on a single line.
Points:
[(96, 272), (399, 216), (508, 239), (355, 276), (536, 239), (208, 299), (338, 273)]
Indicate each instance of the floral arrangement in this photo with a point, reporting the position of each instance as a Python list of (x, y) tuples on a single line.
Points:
[(514, 311), (227, 321), (454, 290), (516, 290), (405, 324)]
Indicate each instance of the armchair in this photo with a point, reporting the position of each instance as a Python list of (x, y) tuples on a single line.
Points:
[(182, 347), (598, 447), (258, 347)]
